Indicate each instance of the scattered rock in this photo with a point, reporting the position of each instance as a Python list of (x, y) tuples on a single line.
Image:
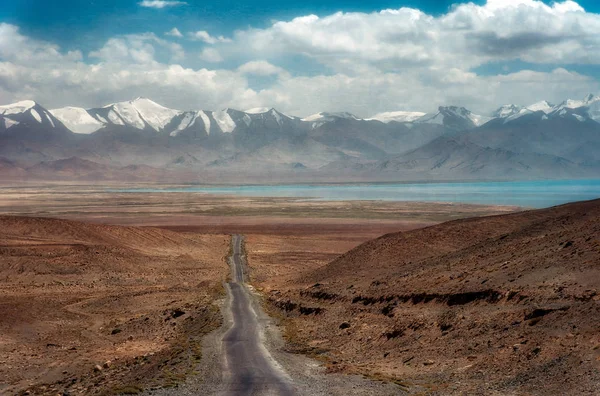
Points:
[(97, 368), (115, 331), (344, 325), (107, 364)]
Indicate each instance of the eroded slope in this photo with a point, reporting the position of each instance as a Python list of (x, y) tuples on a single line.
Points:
[(504, 304)]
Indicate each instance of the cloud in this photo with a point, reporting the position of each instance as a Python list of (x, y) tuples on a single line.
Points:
[(261, 68), (22, 49), (137, 48), (211, 55), (364, 63), (468, 36), (202, 35), (373, 92), (174, 33), (159, 4)]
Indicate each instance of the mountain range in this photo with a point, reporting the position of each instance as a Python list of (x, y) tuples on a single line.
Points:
[(142, 140)]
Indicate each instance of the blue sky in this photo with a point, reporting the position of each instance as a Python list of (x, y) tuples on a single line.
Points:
[(274, 53)]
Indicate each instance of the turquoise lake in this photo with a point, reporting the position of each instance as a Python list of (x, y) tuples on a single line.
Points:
[(535, 194)]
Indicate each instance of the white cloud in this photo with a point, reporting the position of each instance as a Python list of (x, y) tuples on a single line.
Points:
[(211, 55), (202, 35), (137, 48), (161, 3), (261, 68), (467, 36), (174, 33), (384, 61), (373, 92), (16, 47)]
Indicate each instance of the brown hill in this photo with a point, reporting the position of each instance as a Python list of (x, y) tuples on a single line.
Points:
[(74, 295), (505, 304)]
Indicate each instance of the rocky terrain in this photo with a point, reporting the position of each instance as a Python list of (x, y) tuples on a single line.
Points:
[(496, 305), (97, 309)]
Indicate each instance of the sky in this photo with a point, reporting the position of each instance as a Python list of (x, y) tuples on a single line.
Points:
[(300, 57)]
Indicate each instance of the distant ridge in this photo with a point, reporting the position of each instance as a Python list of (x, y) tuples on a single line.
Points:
[(540, 140)]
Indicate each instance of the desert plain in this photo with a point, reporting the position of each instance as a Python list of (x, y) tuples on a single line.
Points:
[(111, 292)]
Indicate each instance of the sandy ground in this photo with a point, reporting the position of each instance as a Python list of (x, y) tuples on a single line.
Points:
[(100, 204)]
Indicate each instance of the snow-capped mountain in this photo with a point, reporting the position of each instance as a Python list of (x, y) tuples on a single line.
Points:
[(328, 116), (140, 113), (28, 118), (581, 110), (574, 104), (146, 115), (398, 116), (143, 133), (455, 118), (78, 120), (506, 111), (26, 112), (319, 119), (543, 105), (512, 112)]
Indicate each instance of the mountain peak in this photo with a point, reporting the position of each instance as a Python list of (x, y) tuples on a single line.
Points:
[(506, 111), (543, 105), (330, 116), (259, 110), (398, 116), (17, 107), (454, 117)]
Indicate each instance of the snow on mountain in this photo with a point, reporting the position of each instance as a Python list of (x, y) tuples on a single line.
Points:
[(319, 119), (224, 120), (398, 116), (479, 120), (328, 117), (541, 106), (190, 119), (594, 111), (78, 120), (518, 115), (8, 122), (454, 117), (17, 108), (144, 114), (28, 112), (141, 112), (507, 111), (265, 112), (574, 104)]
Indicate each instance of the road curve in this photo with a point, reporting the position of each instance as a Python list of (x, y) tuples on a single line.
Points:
[(251, 369)]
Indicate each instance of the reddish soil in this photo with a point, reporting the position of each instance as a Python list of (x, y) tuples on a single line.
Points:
[(505, 304), (134, 301)]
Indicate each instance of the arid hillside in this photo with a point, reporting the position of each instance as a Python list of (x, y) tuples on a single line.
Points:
[(505, 304), (96, 309)]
